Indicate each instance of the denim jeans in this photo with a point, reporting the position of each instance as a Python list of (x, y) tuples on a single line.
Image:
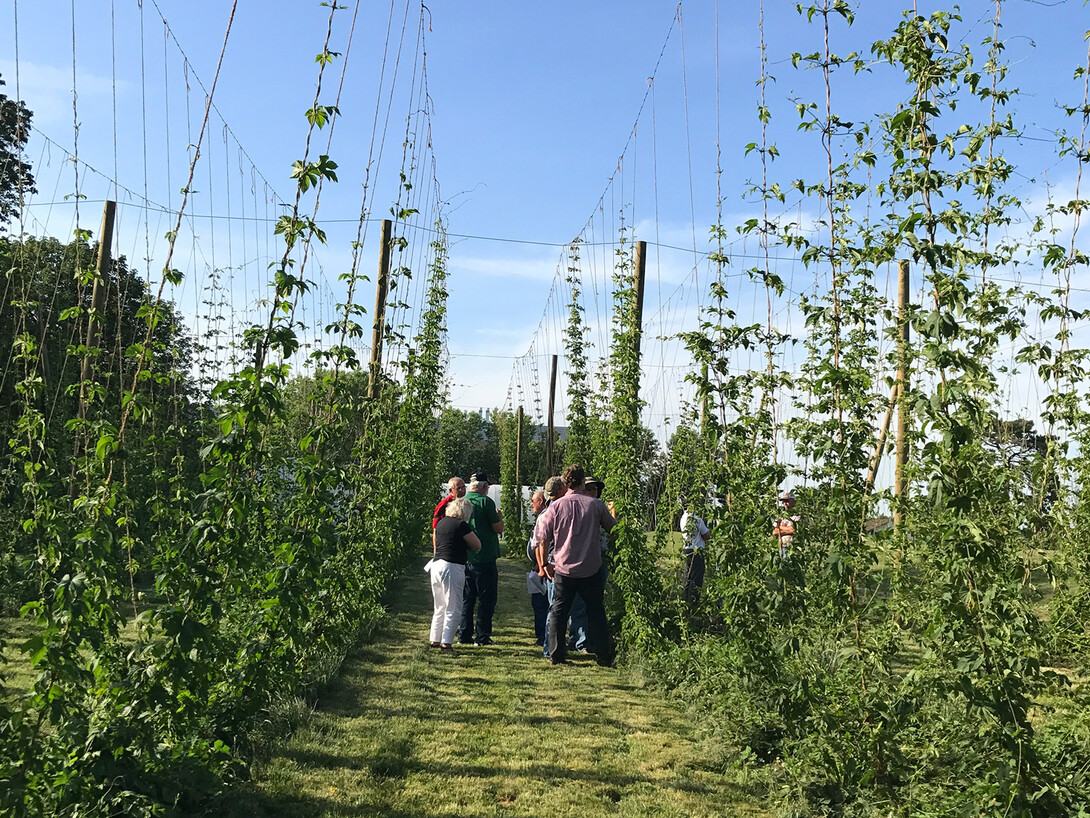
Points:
[(564, 594), (482, 581), (550, 592), (579, 633), (540, 604)]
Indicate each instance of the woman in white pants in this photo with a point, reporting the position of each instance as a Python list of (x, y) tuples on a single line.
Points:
[(451, 540)]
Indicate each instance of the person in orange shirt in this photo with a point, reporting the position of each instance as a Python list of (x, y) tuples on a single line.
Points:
[(784, 527)]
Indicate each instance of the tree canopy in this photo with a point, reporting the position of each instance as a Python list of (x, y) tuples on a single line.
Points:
[(16, 178)]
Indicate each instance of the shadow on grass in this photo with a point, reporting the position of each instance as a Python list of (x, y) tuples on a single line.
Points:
[(381, 713), (548, 773), (249, 802)]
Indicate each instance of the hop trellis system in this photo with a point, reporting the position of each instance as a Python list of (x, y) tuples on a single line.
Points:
[(190, 559), (933, 667), (191, 553)]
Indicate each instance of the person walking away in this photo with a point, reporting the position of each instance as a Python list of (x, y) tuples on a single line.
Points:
[(456, 487), (572, 525), (482, 577), (554, 490), (452, 540), (696, 533)]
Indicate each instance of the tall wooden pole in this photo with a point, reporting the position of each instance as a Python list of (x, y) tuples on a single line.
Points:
[(379, 326), (98, 298), (704, 401), (641, 274), (549, 433), (518, 450), (901, 387), (880, 448), (94, 330)]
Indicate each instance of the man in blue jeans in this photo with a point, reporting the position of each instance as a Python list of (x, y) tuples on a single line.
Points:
[(573, 526), (482, 577)]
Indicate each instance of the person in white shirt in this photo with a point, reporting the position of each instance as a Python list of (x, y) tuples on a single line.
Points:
[(696, 532)]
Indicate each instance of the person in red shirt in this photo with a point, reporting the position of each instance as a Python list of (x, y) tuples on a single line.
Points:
[(456, 487)]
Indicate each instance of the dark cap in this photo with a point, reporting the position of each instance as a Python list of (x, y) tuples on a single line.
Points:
[(594, 481), (481, 477)]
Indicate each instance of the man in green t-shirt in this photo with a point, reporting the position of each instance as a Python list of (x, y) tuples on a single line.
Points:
[(482, 578)]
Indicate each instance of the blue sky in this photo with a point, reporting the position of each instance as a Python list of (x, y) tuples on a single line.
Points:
[(533, 105)]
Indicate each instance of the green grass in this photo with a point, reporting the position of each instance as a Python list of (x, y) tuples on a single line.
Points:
[(496, 731), (18, 674)]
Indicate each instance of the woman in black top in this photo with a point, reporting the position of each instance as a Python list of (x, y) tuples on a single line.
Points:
[(451, 540)]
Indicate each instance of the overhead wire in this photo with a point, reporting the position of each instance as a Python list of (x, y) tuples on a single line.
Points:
[(372, 163), (141, 360)]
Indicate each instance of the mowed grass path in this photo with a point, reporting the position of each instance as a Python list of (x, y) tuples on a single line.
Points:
[(493, 731)]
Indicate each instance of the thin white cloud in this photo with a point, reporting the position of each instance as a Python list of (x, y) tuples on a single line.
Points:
[(47, 90), (536, 269)]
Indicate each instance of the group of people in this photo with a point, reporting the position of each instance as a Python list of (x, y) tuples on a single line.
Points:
[(570, 538), (568, 571), (465, 546)]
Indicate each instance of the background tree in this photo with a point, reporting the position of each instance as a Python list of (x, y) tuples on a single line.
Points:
[(304, 407), (16, 179), (514, 510), (48, 303), (468, 442)]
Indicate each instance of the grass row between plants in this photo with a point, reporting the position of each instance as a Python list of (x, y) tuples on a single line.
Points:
[(405, 731)]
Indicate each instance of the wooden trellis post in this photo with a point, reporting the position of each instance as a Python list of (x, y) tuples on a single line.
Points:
[(641, 274), (549, 465), (98, 300), (899, 489), (518, 449), (378, 328)]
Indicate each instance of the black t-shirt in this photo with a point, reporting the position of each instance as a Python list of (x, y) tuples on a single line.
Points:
[(450, 544)]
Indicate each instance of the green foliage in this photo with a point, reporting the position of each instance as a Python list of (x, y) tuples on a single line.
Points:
[(52, 309), (188, 559), (640, 588), (307, 408), (188, 556), (578, 445), (16, 176), (468, 442), (515, 529), (907, 672)]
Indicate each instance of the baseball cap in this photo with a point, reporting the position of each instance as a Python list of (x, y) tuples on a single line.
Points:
[(552, 488)]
